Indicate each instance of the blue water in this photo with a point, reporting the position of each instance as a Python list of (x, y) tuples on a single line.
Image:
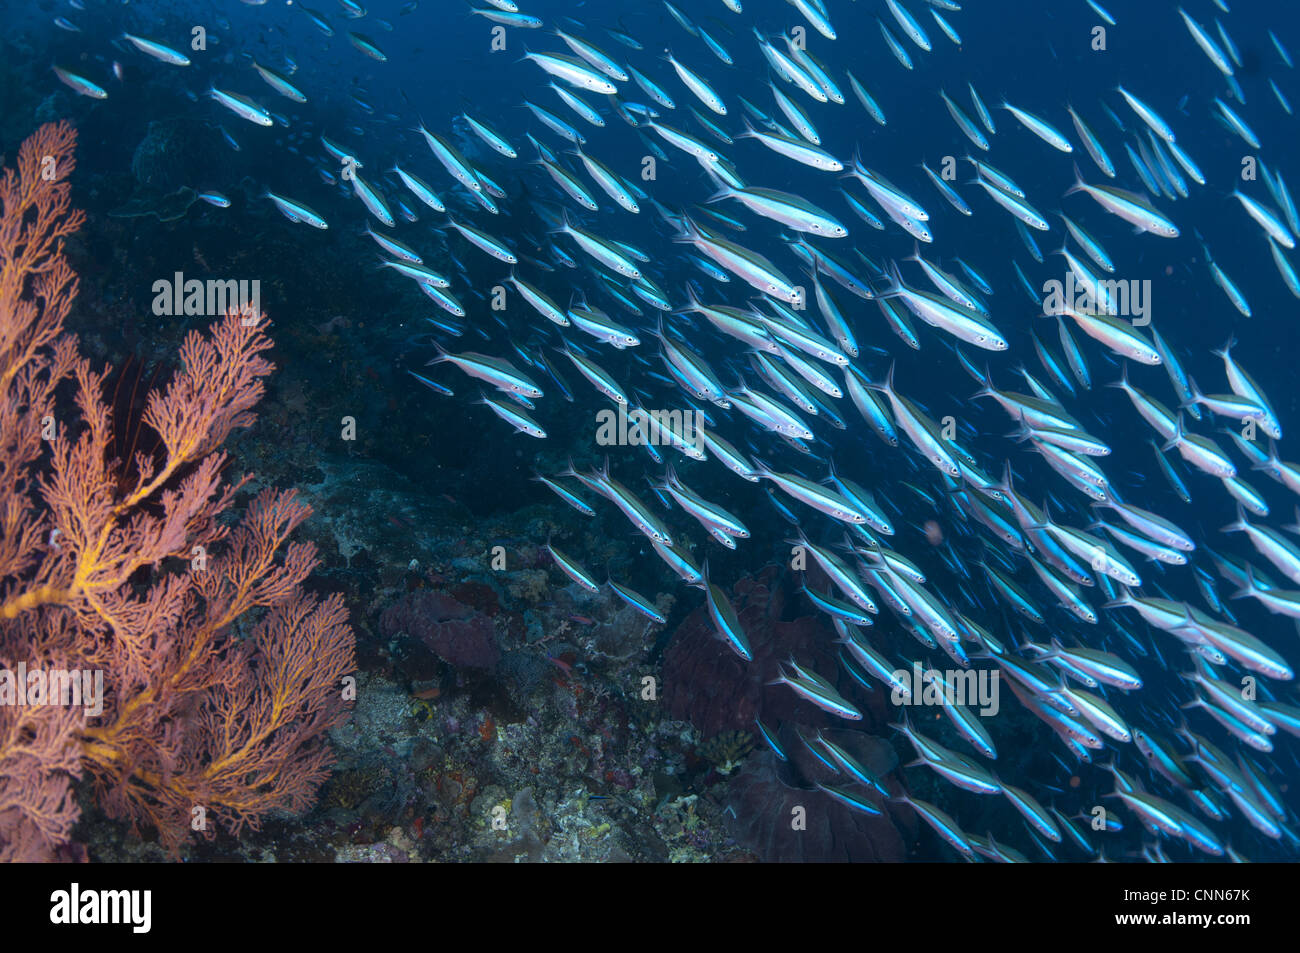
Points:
[(1038, 56)]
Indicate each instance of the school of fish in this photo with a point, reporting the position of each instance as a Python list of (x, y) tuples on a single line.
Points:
[(1054, 576)]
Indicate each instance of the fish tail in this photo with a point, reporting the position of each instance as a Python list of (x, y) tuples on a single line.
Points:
[(895, 280), (1007, 476), (1225, 350), (1079, 185), (1238, 525), (1178, 434), (724, 192), (888, 386), (440, 357), (1249, 588), (1122, 383)]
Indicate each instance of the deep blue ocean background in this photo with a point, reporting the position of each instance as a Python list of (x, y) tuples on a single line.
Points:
[(1036, 55)]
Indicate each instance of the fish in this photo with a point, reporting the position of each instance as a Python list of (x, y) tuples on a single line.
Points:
[(159, 51), (495, 371), (710, 294), (1039, 127), (524, 21), (1266, 219), (1148, 115), (786, 208), (491, 137), (819, 692), (593, 55), (372, 200), (213, 197), (242, 106), (727, 623), (1092, 144), (451, 159), (572, 569), (968, 128), (638, 602), (798, 150), (697, 85), (279, 83), (868, 101), (1210, 48), (1129, 206), (296, 211), (367, 46), (575, 72), (516, 418), (483, 241)]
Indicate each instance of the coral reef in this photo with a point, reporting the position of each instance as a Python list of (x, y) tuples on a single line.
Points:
[(707, 684), (459, 634), (767, 798), (722, 696), (555, 728), (220, 675)]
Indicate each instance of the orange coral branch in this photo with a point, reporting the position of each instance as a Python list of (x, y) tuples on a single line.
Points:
[(193, 717)]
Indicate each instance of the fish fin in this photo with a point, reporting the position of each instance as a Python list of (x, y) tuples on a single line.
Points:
[(1178, 434), (1225, 350), (440, 357), (1126, 599), (1239, 525), (1079, 185), (1122, 383)]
